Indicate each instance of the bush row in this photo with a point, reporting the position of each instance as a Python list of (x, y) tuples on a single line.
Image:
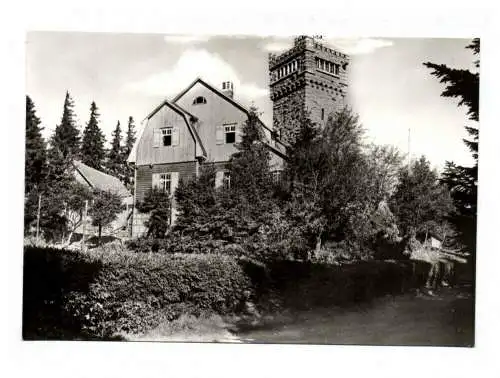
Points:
[(70, 294), (98, 294)]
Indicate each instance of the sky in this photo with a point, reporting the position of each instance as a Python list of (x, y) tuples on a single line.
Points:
[(130, 74)]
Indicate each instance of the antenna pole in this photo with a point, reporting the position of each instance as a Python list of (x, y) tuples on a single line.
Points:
[(409, 150)]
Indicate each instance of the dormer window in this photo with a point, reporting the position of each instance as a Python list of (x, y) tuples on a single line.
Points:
[(199, 100)]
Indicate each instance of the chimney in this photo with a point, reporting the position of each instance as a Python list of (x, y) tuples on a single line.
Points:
[(227, 88)]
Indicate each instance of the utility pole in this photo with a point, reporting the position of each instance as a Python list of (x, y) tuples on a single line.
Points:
[(409, 150), (84, 224), (38, 218)]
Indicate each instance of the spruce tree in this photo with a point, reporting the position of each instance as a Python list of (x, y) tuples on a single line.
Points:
[(35, 163), (462, 180), (66, 138), (115, 162), (92, 152), (130, 138)]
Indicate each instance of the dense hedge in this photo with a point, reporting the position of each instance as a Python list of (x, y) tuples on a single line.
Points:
[(72, 294), (69, 294), (305, 285)]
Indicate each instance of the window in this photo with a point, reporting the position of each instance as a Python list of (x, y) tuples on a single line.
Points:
[(276, 176), (322, 114), (165, 182), (199, 100), (230, 133), (226, 180), (166, 136)]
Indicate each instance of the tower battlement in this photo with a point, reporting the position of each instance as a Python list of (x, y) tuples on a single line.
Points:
[(309, 78)]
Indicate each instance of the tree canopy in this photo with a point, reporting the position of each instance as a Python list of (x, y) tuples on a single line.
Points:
[(35, 163), (462, 180), (92, 151), (66, 138)]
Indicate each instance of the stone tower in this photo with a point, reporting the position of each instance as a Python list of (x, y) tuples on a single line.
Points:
[(309, 77)]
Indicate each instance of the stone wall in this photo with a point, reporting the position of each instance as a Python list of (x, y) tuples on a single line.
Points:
[(309, 90)]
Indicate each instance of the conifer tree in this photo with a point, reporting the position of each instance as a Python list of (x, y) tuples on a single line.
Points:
[(35, 163), (66, 138), (130, 138), (115, 162), (93, 141), (462, 180)]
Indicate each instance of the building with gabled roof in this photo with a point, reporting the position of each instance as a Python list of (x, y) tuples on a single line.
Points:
[(201, 125), (95, 179)]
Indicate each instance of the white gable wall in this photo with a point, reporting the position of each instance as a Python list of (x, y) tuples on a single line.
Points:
[(183, 151), (217, 112)]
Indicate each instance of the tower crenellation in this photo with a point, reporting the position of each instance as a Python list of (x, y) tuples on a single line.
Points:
[(309, 77)]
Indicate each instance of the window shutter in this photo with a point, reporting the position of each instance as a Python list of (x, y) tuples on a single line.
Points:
[(174, 182), (155, 180), (219, 135), (175, 136), (156, 137), (219, 176)]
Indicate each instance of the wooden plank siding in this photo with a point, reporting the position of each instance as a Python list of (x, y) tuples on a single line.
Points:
[(147, 153), (217, 112), (187, 171), (144, 173)]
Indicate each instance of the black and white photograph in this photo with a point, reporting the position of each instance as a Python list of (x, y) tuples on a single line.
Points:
[(244, 189)]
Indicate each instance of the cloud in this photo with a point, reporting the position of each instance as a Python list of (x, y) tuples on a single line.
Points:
[(351, 46), (277, 45), (358, 46), (191, 64), (185, 39)]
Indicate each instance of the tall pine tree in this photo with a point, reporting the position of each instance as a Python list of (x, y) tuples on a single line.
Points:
[(35, 163), (93, 153), (115, 162), (462, 180), (130, 138), (65, 141)]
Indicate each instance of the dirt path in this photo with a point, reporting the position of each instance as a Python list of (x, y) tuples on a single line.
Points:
[(446, 319)]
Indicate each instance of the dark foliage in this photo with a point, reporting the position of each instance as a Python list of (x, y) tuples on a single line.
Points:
[(105, 207), (92, 151), (116, 161), (462, 180), (421, 203), (35, 163), (81, 296), (158, 205), (130, 139), (65, 141)]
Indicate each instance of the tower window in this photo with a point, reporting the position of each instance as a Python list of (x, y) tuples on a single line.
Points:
[(199, 100), (322, 114), (230, 134), (166, 136)]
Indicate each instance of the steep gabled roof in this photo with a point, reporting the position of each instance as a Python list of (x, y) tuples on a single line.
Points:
[(227, 98), (188, 117), (100, 180)]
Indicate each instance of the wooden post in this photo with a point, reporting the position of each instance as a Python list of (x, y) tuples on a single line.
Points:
[(84, 224), (38, 218)]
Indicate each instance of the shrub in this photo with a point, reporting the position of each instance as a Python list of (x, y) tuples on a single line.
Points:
[(97, 294)]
